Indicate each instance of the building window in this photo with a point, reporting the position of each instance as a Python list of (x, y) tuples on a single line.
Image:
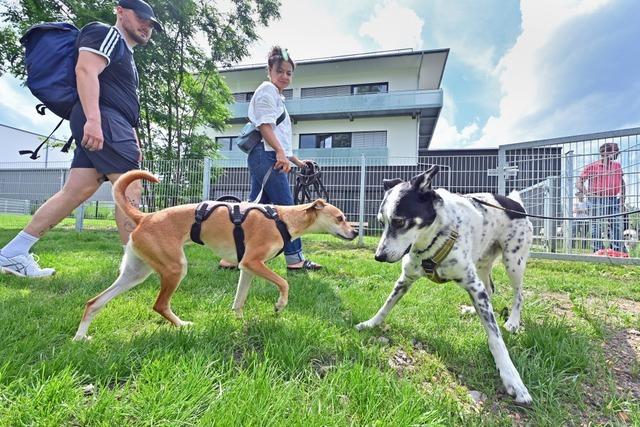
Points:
[(365, 89), (243, 96), (246, 96), (322, 91), (326, 140), (227, 143), (375, 139)]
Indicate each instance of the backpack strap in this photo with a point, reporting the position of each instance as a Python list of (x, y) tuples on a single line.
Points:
[(34, 153)]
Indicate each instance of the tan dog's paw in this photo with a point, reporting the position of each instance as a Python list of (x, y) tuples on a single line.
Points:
[(184, 323), (78, 338)]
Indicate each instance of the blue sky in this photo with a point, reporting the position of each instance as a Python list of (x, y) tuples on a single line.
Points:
[(517, 70)]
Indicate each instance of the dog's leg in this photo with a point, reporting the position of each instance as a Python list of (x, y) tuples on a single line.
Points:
[(170, 277), (258, 268), (132, 272), (508, 372), (401, 287), (243, 289), (515, 265)]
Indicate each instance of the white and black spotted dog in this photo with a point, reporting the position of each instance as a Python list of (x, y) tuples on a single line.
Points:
[(418, 222)]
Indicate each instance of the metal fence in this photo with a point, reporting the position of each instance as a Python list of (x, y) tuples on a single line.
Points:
[(545, 173)]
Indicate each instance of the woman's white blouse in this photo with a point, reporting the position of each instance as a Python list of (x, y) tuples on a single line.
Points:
[(266, 106)]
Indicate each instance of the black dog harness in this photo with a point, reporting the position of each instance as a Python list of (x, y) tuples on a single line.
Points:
[(237, 217)]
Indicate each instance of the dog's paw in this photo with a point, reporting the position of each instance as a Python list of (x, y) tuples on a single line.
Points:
[(466, 310), (184, 323), (512, 326), (78, 338), (365, 325), (522, 396), (239, 313), (519, 391)]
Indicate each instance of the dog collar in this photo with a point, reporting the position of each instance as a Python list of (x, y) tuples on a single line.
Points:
[(429, 265)]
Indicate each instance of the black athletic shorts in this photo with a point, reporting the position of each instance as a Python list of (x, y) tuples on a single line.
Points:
[(120, 152)]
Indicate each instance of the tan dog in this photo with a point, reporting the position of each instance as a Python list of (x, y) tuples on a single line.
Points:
[(158, 240)]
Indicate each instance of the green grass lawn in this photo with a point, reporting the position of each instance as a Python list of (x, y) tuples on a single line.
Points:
[(309, 366)]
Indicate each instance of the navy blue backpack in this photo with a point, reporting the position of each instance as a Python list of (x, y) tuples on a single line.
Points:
[(50, 59)]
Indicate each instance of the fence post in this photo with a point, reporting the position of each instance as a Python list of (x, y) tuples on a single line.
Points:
[(206, 179), (80, 217), (502, 170), (363, 182), (568, 188)]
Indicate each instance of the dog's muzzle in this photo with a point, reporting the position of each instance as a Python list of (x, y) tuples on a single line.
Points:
[(384, 256)]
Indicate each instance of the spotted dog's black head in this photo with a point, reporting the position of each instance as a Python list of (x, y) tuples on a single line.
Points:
[(407, 208)]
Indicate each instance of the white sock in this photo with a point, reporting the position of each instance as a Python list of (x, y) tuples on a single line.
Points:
[(20, 245)]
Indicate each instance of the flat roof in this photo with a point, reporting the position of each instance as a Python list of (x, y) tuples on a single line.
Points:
[(342, 58)]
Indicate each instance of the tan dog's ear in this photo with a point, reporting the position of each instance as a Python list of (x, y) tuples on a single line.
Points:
[(317, 205)]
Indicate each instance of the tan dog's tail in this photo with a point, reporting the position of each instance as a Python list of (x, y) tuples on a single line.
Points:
[(120, 198)]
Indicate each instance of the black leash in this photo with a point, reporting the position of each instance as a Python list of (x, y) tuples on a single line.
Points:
[(308, 183), (560, 218)]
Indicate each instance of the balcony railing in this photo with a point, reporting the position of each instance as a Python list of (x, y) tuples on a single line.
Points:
[(425, 103)]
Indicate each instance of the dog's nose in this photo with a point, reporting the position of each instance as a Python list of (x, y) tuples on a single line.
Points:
[(381, 257)]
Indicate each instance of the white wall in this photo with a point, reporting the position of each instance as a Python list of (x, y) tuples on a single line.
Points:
[(401, 73), (402, 132)]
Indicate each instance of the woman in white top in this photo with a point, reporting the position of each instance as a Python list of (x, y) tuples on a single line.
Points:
[(276, 149)]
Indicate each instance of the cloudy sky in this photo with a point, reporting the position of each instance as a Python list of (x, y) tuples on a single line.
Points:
[(517, 70)]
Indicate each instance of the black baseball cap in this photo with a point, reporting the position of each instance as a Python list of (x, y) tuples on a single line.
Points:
[(143, 10)]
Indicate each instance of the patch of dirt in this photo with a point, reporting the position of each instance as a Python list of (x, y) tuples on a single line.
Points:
[(621, 353), (562, 305), (401, 362)]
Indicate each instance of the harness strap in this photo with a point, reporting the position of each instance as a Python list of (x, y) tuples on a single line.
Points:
[(238, 234), (237, 217), (282, 227), (429, 265), (203, 211)]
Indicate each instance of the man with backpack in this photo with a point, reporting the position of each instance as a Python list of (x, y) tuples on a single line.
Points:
[(102, 122)]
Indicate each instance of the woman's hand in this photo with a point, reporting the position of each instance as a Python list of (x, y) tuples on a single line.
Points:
[(282, 162)]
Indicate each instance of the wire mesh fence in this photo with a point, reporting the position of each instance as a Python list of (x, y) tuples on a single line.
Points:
[(547, 174)]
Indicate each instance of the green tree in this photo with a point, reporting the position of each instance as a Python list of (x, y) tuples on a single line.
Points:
[(181, 92)]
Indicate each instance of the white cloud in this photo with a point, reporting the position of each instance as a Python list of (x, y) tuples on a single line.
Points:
[(308, 29), (394, 27), (522, 73), (17, 107), (447, 134)]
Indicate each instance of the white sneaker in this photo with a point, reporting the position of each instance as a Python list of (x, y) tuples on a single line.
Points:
[(24, 266)]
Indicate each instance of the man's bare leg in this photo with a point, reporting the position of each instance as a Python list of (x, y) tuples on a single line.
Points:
[(14, 256), (80, 185)]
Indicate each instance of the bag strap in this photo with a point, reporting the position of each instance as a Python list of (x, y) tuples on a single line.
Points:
[(34, 153), (282, 116)]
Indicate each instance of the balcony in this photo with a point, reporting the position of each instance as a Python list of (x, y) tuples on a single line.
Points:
[(418, 103)]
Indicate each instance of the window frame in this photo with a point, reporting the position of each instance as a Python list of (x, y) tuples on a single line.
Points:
[(355, 86)]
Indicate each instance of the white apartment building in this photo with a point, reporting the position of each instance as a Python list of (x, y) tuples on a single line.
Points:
[(379, 104)]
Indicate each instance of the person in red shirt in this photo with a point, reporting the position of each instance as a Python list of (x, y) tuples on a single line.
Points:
[(605, 192)]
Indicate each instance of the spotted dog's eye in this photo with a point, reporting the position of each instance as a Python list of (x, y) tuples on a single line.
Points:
[(397, 222)]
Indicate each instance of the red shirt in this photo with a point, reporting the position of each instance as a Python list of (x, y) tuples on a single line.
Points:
[(604, 179)]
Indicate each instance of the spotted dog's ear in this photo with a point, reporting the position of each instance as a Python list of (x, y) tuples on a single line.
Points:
[(390, 183), (422, 182)]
